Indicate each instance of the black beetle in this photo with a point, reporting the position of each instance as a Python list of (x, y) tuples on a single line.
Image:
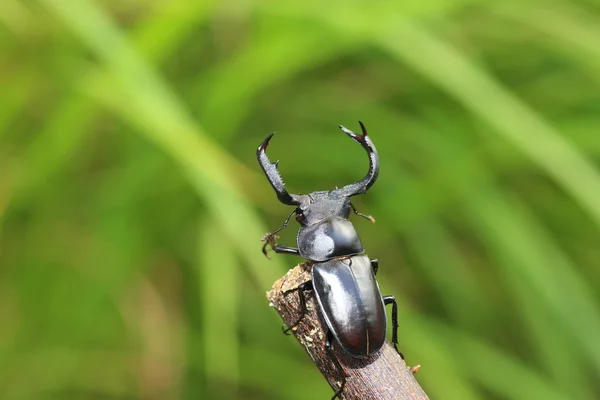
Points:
[(343, 279)]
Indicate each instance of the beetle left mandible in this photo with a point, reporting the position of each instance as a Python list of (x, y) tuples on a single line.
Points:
[(343, 278)]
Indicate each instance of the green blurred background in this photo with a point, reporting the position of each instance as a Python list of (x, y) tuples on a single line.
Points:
[(131, 202)]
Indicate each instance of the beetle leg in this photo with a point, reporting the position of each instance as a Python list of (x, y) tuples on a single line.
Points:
[(375, 265), (392, 300), (284, 249), (271, 241), (329, 349), (301, 289), (370, 218)]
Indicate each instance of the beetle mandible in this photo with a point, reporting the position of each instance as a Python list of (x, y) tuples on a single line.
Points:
[(343, 278)]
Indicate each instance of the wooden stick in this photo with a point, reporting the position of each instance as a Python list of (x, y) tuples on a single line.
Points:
[(382, 376)]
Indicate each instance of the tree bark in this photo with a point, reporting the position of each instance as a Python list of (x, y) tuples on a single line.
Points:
[(381, 376)]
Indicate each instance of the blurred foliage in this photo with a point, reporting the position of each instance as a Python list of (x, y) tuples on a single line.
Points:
[(131, 203)]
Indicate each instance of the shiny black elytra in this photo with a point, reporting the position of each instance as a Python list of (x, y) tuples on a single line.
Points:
[(343, 279)]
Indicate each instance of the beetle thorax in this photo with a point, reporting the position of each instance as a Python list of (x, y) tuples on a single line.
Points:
[(321, 205)]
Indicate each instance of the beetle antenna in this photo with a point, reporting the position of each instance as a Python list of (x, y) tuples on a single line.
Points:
[(369, 217), (270, 170), (365, 141), (269, 235)]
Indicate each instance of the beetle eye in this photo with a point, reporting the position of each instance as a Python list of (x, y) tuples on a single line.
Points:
[(300, 217)]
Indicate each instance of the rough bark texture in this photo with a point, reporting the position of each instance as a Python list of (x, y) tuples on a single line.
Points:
[(382, 376)]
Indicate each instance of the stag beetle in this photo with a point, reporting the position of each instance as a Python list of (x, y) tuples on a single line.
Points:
[(343, 279)]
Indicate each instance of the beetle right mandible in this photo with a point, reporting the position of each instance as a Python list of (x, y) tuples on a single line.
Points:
[(343, 279)]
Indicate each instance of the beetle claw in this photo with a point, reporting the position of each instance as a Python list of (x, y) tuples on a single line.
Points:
[(265, 252), (337, 394), (285, 330), (398, 351), (270, 240)]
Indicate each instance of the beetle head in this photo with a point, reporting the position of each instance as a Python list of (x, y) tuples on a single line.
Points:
[(319, 205)]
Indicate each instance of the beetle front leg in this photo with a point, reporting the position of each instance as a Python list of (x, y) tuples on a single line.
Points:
[(392, 300), (271, 241), (329, 349), (301, 289)]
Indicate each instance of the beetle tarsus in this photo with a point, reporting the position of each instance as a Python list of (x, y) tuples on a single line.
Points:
[(286, 329), (398, 351), (302, 300), (271, 241), (337, 394), (392, 300), (265, 252)]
